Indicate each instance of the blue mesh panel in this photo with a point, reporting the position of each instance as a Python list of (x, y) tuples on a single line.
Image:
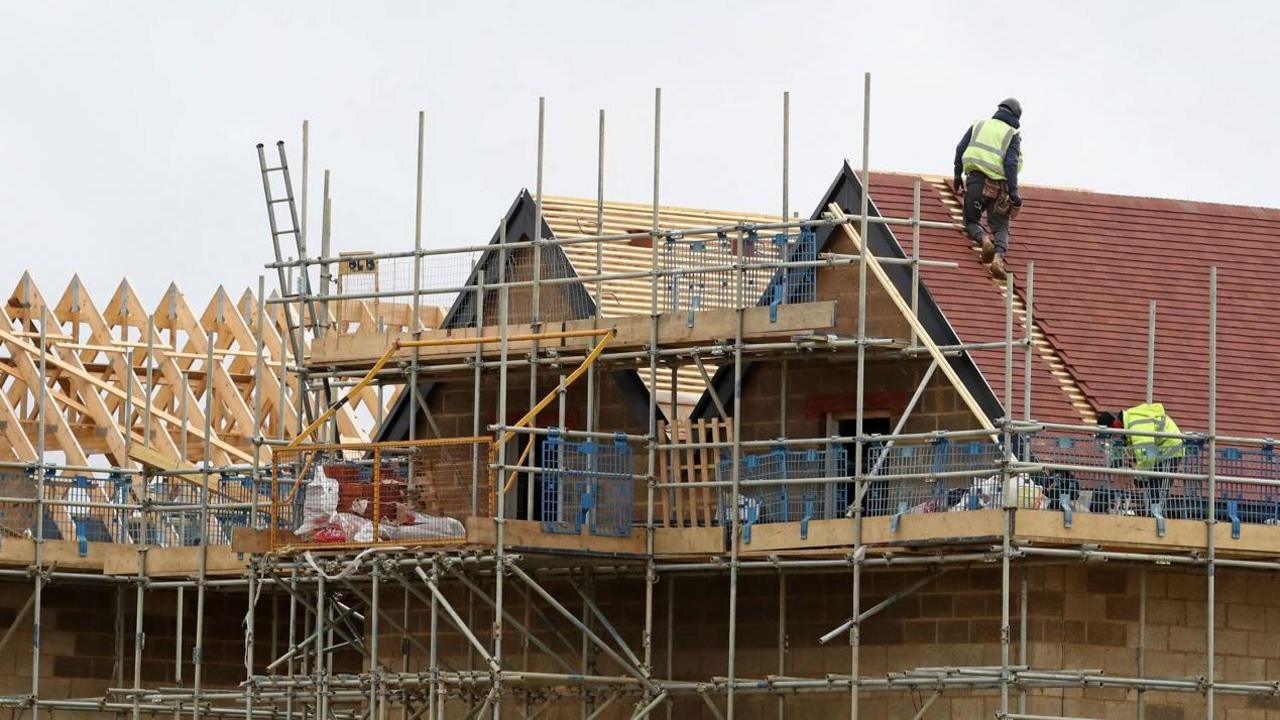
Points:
[(940, 475), (701, 276), (791, 501), (587, 483)]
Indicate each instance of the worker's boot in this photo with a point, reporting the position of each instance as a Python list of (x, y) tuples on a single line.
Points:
[(988, 249), (996, 268)]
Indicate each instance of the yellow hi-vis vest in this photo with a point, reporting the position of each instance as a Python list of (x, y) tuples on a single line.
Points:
[(988, 143), (1148, 449)]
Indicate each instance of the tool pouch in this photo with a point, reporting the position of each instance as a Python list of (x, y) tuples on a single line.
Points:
[(991, 189), (1014, 212)]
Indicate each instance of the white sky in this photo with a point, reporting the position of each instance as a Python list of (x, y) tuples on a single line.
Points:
[(127, 130)]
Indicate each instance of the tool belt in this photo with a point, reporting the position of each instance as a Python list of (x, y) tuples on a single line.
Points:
[(998, 191)]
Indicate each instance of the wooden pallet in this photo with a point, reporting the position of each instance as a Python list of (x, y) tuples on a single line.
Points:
[(693, 506)]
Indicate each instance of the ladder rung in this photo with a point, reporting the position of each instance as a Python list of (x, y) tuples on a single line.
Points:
[(273, 169), (283, 232), (278, 200)]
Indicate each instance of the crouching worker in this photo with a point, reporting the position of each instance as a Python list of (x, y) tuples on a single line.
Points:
[(1147, 453)]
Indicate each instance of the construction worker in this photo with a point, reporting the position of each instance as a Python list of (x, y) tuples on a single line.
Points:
[(1147, 452), (990, 154)]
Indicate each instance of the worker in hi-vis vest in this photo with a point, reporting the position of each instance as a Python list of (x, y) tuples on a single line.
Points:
[(990, 155), (1147, 452)]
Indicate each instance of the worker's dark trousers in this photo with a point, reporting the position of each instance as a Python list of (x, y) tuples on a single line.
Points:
[(1156, 490), (974, 205)]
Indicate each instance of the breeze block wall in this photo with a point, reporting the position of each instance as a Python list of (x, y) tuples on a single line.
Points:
[(1079, 617), (78, 631)]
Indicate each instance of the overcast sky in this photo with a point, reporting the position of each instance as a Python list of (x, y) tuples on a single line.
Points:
[(127, 130)]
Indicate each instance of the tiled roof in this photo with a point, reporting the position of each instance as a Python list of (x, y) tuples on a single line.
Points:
[(974, 304), (1099, 259)]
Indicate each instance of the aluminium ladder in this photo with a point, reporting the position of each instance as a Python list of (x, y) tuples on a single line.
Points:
[(304, 276)]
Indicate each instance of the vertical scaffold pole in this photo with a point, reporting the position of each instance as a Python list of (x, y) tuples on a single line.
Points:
[(735, 499), (598, 293), (404, 649), (651, 575), (177, 643), (1028, 349), (855, 630), (1010, 495), (326, 236), (317, 661), (151, 349), (504, 309), (38, 552), (206, 477), (126, 422), (258, 388), (477, 388), (1142, 641), (915, 257), (375, 609), (250, 619), (1151, 351), (139, 637), (671, 636), (306, 176), (1028, 340), (1211, 512), (782, 638), (782, 401), (415, 323), (786, 156), (435, 698), (535, 320), (293, 639)]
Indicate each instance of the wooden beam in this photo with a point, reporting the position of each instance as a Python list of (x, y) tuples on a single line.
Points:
[(710, 326), (16, 342), (21, 445)]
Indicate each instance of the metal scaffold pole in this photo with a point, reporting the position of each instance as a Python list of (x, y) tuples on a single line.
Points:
[(597, 295), (206, 478), (1211, 511), (856, 557), (41, 479), (1010, 497), (415, 322), (651, 576), (535, 308), (735, 496), (500, 488)]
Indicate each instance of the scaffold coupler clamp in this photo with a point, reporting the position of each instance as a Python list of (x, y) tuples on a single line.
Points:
[(1157, 512)]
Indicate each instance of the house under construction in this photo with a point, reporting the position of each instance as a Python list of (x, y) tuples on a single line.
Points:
[(632, 460)]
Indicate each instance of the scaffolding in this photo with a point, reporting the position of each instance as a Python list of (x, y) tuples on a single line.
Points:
[(347, 590)]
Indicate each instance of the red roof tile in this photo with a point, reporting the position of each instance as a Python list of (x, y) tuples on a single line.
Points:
[(1099, 259)]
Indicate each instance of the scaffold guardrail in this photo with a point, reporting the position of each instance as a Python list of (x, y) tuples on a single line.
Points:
[(394, 493)]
